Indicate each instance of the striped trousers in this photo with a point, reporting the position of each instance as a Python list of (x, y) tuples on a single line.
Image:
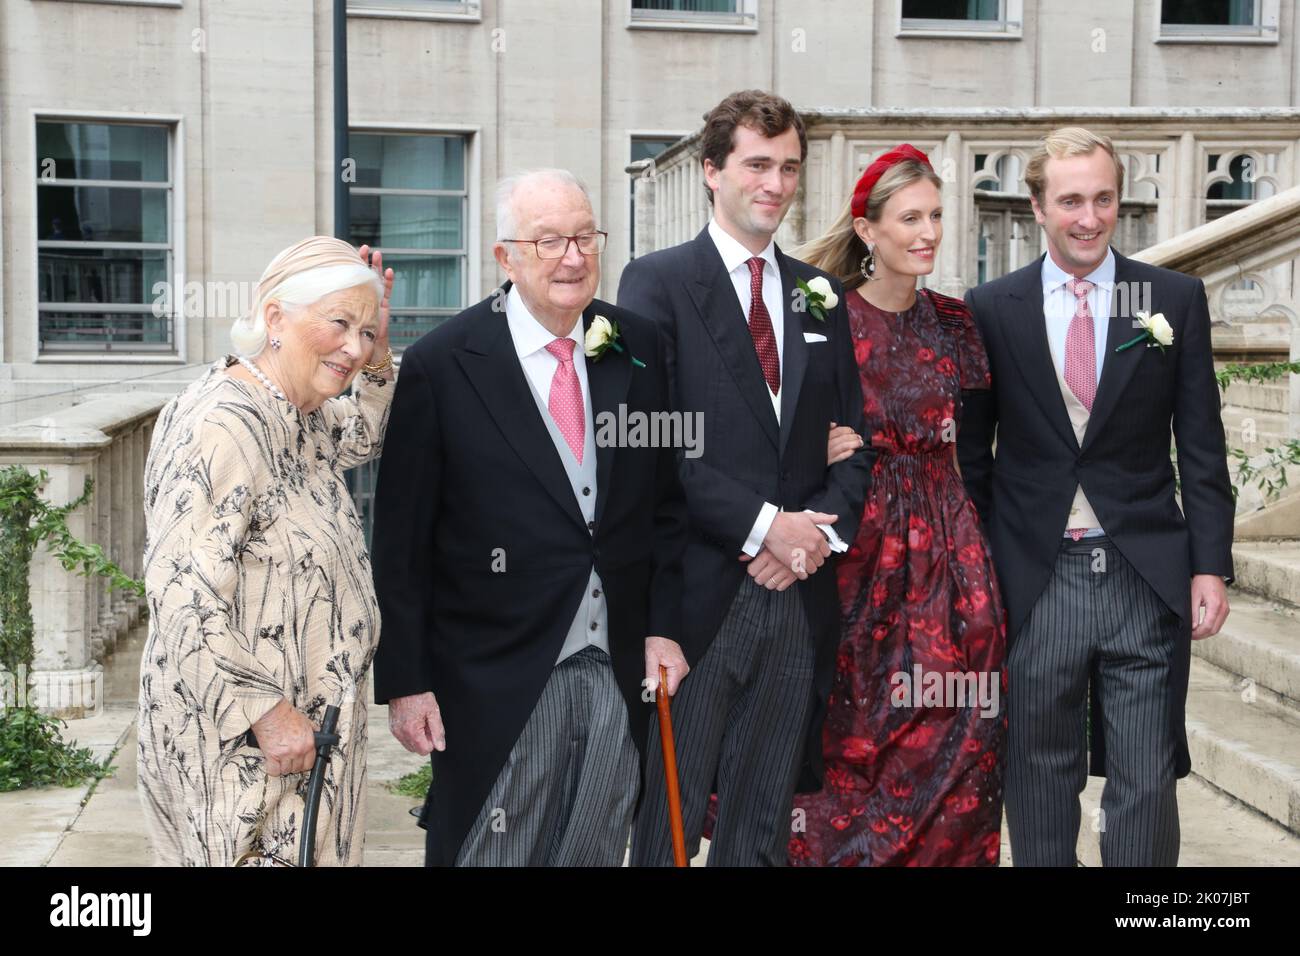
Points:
[(739, 718), (1096, 620), (568, 790)]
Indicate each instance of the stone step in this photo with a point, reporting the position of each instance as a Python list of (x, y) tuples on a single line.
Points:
[(1253, 430), (1260, 643), (1260, 396), (1270, 569), (1250, 750), (1216, 829)]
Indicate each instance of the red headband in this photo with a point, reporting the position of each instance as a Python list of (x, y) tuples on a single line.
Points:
[(872, 174)]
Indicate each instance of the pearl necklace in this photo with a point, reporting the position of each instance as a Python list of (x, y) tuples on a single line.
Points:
[(258, 374)]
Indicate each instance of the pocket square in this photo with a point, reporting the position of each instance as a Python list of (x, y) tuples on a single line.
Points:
[(813, 337)]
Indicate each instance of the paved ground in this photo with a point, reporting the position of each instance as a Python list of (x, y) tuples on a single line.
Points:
[(103, 825)]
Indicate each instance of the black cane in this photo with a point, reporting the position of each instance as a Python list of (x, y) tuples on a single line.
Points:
[(326, 740)]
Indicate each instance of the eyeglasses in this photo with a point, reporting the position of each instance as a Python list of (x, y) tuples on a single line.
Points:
[(557, 247)]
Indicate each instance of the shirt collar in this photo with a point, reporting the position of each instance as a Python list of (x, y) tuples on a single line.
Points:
[(530, 335), (1054, 276), (735, 255)]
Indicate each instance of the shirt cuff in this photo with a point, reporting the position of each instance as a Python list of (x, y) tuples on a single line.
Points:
[(766, 515), (837, 543)]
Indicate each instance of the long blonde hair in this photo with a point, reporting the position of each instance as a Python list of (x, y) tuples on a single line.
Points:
[(840, 250)]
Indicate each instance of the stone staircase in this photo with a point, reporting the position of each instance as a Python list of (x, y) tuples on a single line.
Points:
[(1243, 704), (1257, 410), (1241, 804)]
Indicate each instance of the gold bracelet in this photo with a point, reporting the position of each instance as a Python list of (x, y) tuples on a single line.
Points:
[(382, 367)]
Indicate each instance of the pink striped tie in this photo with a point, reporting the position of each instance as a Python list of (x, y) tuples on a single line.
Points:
[(1081, 346), (565, 402)]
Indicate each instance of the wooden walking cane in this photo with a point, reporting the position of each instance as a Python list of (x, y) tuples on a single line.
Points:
[(670, 772)]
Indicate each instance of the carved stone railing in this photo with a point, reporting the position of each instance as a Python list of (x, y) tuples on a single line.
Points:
[(1173, 158), (1259, 245), (78, 620)]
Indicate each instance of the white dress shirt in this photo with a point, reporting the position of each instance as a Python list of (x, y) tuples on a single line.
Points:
[(1059, 304), (531, 339), (735, 258)]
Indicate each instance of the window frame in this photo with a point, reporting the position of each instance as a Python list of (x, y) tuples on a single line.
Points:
[(455, 11), (744, 21), (173, 4), (1266, 29), (471, 270), (176, 223), (1009, 26)]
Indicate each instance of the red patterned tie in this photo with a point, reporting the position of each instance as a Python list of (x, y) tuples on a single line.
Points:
[(760, 327), (1081, 346), (565, 403)]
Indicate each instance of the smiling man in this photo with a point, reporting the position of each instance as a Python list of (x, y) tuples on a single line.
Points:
[(769, 378), (529, 578), (1106, 579)]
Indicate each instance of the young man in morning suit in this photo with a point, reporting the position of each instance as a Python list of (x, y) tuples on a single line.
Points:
[(769, 377), (1106, 580)]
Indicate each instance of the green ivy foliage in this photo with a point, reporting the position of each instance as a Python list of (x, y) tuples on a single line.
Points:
[(32, 750), (33, 753), (1269, 475)]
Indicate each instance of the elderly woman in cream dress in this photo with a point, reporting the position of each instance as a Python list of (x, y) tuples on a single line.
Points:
[(261, 606)]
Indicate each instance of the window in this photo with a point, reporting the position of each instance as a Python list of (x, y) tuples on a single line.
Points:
[(1219, 20), (740, 15), (952, 9), (104, 237), (643, 147), (1237, 13), (410, 201), (417, 9), (987, 19)]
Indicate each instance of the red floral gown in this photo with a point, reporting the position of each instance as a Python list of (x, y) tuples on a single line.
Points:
[(907, 784)]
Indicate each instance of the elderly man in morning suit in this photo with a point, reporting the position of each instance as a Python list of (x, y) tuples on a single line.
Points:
[(529, 576)]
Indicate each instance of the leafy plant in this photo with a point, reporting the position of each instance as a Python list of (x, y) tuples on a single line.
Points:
[(1269, 475), (33, 753), (32, 750), (1257, 374), (414, 784)]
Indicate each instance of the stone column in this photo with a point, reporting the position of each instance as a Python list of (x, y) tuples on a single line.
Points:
[(74, 619)]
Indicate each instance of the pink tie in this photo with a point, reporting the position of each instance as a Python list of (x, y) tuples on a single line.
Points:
[(1081, 347), (1081, 357), (565, 403)]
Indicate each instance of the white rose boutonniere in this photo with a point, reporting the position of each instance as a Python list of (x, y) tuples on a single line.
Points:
[(1155, 331), (602, 335), (818, 296)]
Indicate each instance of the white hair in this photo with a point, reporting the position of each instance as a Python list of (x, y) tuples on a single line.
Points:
[(507, 187), (249, 336)]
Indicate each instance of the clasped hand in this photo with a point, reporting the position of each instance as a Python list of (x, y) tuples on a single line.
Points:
[(793, 549)]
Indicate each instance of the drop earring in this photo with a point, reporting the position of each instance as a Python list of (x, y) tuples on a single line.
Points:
[(868, 265)]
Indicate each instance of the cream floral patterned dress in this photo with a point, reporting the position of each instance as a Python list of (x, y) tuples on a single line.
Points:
[(259, 588)]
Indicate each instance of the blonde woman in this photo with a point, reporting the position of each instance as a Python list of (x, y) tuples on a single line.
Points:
[(913, 770), (262, 611)]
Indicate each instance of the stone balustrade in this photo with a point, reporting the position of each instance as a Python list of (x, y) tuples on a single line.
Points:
[(79, 620)]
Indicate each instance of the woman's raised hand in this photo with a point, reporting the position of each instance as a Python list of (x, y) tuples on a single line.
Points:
[(375, 260)]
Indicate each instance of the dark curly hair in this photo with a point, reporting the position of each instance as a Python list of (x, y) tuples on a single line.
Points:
[(762, 112)]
